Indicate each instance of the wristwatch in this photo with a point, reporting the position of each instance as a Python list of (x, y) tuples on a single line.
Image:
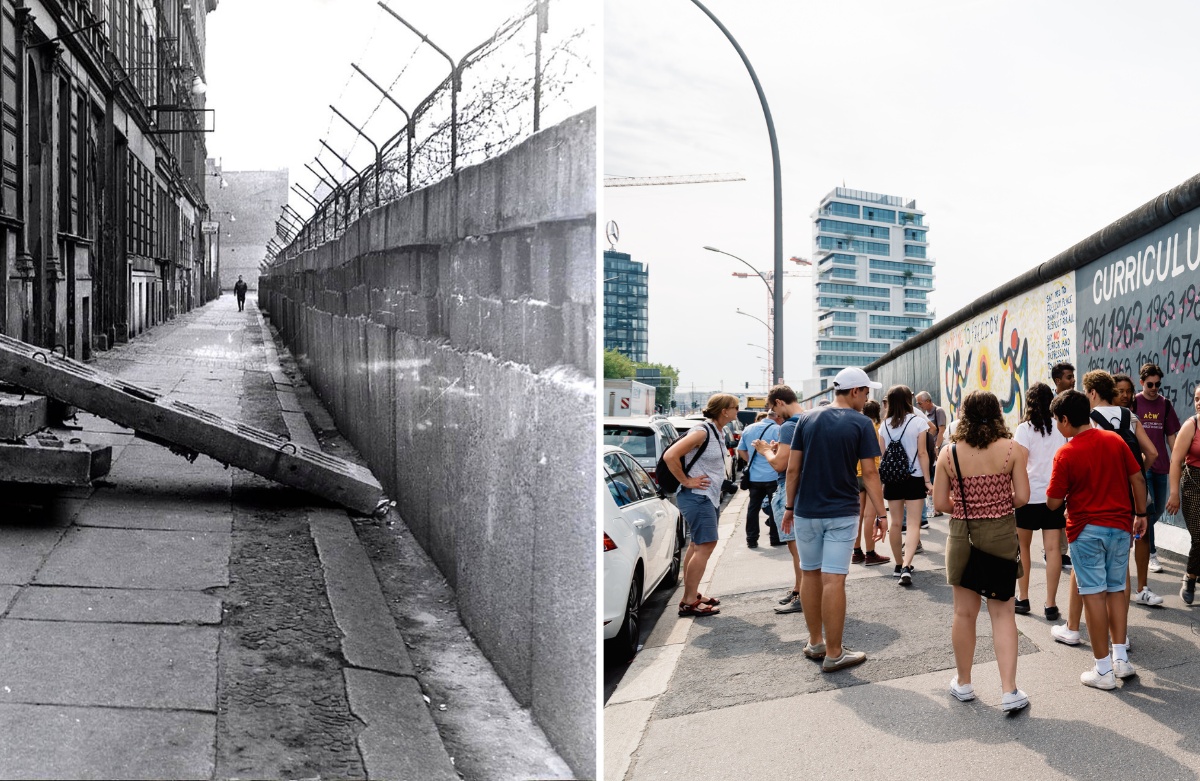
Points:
[(788, 509)]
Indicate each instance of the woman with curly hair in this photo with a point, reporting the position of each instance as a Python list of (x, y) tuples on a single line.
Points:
[(980, 500), (1040, 438)]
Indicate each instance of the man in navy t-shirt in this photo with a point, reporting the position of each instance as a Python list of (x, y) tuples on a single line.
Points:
[(822, 504)]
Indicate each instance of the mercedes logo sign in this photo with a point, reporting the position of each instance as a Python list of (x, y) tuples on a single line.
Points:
[(613, 233)]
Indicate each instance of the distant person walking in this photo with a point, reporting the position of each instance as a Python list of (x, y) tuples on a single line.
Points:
[(1095, 474), (1185, 493), (1039, 436), (1158, 417), (699, 495), (904, 435), (239, 291), (822, 505), (980, 499)]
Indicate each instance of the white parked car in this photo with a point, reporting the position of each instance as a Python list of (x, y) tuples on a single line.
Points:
[(643, 548)]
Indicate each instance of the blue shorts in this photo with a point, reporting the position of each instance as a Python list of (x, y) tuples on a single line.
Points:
[(1100, 555), (826, 543), (777, 500), (699, 514)]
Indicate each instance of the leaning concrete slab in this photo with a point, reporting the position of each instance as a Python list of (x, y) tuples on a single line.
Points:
[(122, 558), (187, 427), (112, 605), (400, 739), (53, 741), (115, 665)]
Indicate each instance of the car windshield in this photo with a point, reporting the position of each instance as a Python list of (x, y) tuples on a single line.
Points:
[(637, 442)]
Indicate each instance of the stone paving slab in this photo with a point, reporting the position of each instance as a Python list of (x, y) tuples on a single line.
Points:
[(53, 741), (399, 739), (22, 551), (7, 593), (120, 558), (130, 606), (371, 639), (127, 512), (116, 665)]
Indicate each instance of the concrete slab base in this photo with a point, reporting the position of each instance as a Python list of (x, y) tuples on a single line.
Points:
[(54, 741), (121, 558), (110, 605), (116, 665)]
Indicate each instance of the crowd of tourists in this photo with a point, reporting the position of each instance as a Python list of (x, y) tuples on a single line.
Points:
[(1092, 470)]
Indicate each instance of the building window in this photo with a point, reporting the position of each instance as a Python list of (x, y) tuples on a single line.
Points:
[(891, 265), (879, 215), (852, 347), (911, 251), (841, 209), (913, 235), (831, 359), (909, 307), (853, 290), (826, 302), (852, 228), (853, 245), (914, 322), (917, 294), (844, 273)]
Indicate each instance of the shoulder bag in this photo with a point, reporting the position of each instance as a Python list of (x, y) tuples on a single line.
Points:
[(987, 575)]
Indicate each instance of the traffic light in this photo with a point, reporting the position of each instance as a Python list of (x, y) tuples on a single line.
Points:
[(673, 405)]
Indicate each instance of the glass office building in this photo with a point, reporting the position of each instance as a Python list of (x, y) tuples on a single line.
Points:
[(626, 297), (873, 278)]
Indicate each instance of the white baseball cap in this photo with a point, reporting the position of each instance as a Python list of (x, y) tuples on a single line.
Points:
[(851, 377)]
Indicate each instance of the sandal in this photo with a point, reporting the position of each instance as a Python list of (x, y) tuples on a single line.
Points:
[(697, 608), (710, 601)]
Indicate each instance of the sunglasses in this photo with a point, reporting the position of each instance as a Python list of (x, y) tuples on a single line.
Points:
[(1152, 384)]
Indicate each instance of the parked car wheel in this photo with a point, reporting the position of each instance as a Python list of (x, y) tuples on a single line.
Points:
[(625, 644), (671, 579)]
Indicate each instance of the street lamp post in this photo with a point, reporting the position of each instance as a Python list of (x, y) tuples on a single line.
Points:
[(762, 98)]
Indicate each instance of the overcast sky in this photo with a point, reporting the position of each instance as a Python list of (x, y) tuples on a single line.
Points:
[(275, 66), (1019, 127)]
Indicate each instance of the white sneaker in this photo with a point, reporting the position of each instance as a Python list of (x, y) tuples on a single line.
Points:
[(1147, 597), (1154, 565), (1014, 700), (1098, 681), (964, 693), (1063, 635), (1123, 669)]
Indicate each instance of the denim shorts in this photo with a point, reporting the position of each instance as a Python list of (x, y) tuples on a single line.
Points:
[(1100, 555), (777, 500), (699, 514), (826, 543)]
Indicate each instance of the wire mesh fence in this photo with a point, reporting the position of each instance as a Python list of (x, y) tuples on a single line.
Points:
[(532, 72)]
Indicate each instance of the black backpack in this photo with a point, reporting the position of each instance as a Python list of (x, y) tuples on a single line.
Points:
[(894, 467), (666, 478), (1125, 430)]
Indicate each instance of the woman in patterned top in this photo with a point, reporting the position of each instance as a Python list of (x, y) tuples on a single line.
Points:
[(994, 481)]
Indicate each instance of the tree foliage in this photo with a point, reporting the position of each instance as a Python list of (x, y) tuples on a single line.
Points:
[(618, 366)]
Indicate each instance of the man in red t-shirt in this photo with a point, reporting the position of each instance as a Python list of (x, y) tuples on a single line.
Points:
[(1094, 473)]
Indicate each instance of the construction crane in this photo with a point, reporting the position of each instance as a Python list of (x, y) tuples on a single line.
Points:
[(769, 278), (643, 181)]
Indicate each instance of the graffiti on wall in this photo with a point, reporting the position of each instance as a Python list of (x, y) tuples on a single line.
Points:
[(1141, 304), (1007, 348)]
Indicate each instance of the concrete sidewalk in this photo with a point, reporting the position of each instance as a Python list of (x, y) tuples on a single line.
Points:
[(185, 620), (733, 697)]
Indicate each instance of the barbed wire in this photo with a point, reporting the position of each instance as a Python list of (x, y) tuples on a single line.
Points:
[(501, 99)]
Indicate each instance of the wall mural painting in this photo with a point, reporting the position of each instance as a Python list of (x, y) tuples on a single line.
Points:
[(1010, 347), (1141, 304)]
